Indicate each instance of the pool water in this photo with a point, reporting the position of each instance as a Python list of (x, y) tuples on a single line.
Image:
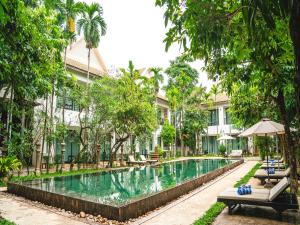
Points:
[(120, 187)]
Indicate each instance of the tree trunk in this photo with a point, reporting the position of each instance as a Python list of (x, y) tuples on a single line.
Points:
[(295, 35), (44, 133), (63, 114), (50, 129), (9, 114), (175, 136), (87, 109), (290, 145)]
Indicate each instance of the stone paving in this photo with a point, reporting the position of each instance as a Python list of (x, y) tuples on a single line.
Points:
[(23, 213), (190, 207), (257, 216)]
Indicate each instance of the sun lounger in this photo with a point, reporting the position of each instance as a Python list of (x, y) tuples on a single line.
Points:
[(236, 153), (275, 165), (132, 161), (275, 197), (274, 160), (262, 174), (143, 158)]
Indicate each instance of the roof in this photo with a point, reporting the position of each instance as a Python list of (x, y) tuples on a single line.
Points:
[(77, 59), (220, 98)]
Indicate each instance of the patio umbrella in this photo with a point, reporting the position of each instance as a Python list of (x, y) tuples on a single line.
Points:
[(265, 127), (225, 138)]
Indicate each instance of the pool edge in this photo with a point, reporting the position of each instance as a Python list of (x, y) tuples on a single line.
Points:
[(122, 213)]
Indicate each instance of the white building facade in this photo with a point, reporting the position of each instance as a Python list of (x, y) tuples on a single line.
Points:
[(220, 124)]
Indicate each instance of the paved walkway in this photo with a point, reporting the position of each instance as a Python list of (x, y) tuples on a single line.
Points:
[(187, 209), (23, 213)]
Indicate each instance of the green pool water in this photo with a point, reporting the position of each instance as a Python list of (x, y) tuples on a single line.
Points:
[(120, 187)]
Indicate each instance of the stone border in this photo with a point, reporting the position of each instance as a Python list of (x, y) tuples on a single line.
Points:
[(122, 213)]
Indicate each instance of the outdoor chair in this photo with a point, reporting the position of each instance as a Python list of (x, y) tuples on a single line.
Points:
[(275, 198), (236, 154), (274, 160), (262, 174), (143, 159), (132, 161), (274, 165)]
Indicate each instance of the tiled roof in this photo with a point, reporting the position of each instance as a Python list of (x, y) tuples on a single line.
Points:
[(77, 58)]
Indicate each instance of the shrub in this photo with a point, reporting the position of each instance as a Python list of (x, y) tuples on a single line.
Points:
[(222, 149), (8, 164), (6, 222), (263, 144)]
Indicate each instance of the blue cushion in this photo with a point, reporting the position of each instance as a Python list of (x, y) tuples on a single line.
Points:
[(244, 190)]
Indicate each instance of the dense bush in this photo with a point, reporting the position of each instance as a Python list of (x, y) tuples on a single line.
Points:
[(222, 149), (264, 144), (8, 164)]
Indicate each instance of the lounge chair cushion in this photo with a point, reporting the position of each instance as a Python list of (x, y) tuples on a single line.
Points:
[(279, 188), (131, 158), (278, 173), (236, 153), (256, 195), (143, 158)]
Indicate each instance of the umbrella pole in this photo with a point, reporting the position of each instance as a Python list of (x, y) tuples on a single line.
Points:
[(277, 148), (268, 184)]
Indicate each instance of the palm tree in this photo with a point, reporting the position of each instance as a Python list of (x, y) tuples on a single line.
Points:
[(93, 26), (157, 77), (68, 11)]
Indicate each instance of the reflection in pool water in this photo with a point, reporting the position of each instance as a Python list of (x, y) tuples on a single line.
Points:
[(123, 186)]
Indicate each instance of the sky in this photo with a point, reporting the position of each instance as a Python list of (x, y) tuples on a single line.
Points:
[(135, 31)]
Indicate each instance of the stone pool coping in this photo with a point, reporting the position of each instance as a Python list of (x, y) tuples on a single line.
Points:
[(131, 210)]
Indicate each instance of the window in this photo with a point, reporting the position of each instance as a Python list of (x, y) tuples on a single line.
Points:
[(213, 117), (70, 104), (227, 119), (210, 144)]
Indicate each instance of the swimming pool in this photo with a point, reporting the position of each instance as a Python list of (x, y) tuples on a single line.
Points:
[(118, 189)]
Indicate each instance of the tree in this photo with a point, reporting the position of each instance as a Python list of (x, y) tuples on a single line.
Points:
[(121, 107), (31, 44), (212, 30), (182, 78), (157, 78), (134, 113), (167, 133), (195, 119), (68, 11), (93, 26)]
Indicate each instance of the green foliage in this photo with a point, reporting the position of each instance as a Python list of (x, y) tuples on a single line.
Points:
[(92, 24), (168, 133), (6, 222), (211, 214), (264, 144), (8, 164), (222, 149), (123, 105), (160, 152)]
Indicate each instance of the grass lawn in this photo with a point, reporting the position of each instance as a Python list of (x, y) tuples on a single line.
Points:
[(211, 214)]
